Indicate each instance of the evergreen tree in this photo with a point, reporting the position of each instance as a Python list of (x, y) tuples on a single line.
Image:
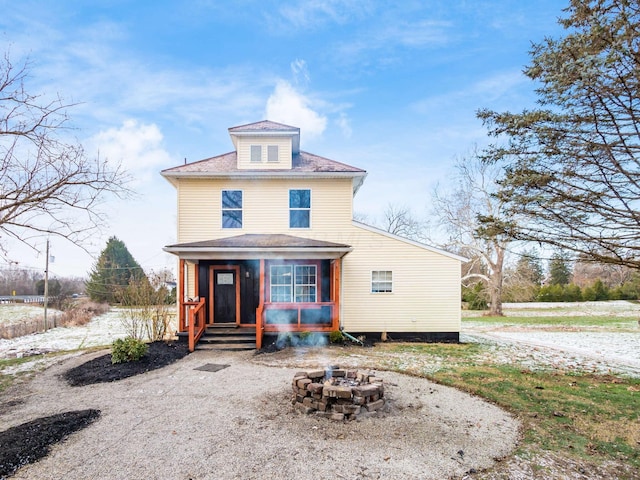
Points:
[(529, 267), (113, 271), (573, 176), (559, 270)]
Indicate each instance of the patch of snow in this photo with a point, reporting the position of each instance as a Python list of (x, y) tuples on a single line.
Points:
[(101, 330), (18, 313)]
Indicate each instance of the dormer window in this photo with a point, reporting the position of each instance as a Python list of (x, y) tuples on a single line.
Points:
[(256, 153), (272, 153)]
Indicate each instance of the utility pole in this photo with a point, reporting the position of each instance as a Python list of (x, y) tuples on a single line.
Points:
[(46, 286)]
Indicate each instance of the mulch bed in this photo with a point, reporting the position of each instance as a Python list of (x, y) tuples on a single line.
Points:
[(101, 370), (29, 442)]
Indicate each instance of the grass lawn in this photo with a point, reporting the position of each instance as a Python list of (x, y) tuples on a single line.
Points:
[(588, 417)]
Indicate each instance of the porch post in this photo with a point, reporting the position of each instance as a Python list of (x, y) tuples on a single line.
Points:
[(181, 312), (335, 320), (260, 309)]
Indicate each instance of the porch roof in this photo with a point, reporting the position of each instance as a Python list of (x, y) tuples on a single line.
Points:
[(254, 246)]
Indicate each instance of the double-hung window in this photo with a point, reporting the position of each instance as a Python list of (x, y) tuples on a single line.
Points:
[(293, 283), (382, 281), (232, 209), (299, 208)]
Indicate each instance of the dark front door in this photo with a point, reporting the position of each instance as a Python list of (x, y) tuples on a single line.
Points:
[(225, 296)]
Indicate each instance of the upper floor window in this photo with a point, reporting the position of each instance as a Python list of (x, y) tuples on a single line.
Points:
[(299, 208), (272, 153), (232, 209), (256, 153), (382, 281)]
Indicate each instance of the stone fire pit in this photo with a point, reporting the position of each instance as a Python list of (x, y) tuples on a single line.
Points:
[(336, 393)]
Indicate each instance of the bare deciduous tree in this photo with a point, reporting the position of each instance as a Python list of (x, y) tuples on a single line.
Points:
[(472, 219), (399, 220), (48, 184)]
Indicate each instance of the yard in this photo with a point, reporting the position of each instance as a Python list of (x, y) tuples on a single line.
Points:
[(569, 373)]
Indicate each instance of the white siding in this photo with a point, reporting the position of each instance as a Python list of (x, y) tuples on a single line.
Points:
[(426, 284), (265, 208), (426, 287)]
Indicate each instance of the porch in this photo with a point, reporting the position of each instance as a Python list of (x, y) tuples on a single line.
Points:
[(266, 283)]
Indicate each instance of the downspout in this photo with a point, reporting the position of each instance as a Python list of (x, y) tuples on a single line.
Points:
[(351, 337)]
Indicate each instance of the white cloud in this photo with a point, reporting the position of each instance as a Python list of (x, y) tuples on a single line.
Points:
[(313, 14), (300, 71), (345, 125), (288, 106), (137, 146)]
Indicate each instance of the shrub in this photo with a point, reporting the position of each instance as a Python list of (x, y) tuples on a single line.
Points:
[(475, 296), (304, 336), (336, 337), (128, 349)]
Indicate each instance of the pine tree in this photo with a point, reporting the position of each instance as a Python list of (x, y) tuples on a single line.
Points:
[(573, 176), (113, 271), (559, 270)]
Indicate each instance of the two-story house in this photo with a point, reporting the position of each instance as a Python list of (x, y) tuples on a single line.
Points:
[(267, 242)]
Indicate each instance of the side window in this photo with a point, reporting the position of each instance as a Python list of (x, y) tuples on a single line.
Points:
[(256, 153), (272, 153), (232, 209), (382, 281), (299, 208)]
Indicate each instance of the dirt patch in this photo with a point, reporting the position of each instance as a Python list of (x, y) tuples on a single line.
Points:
[(101, 370), (31, 441)]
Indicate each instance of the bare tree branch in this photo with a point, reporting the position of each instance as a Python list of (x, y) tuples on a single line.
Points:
[(473, 220), (48, 184)]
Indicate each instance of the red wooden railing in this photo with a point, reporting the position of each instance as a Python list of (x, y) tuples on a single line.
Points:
[(196, 322)]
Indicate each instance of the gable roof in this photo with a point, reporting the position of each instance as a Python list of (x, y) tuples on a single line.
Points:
[(267, 128), (264, 126)]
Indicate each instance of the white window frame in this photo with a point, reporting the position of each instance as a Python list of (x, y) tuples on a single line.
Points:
[(303, 290), (296, 291), (256, 153), (223, 208), (298, 209), (272, 154), (274, 297), (381, 281)]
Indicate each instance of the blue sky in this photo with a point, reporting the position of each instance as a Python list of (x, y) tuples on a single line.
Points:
[(390, 87)]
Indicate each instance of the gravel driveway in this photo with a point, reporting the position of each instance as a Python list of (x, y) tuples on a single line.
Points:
[(183, 423)]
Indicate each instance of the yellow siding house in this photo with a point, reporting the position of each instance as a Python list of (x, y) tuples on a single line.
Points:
[(267, 244)]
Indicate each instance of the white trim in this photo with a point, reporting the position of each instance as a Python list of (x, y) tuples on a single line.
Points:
[(279, 174), (381, 281), (225, 253), (371, 229)]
